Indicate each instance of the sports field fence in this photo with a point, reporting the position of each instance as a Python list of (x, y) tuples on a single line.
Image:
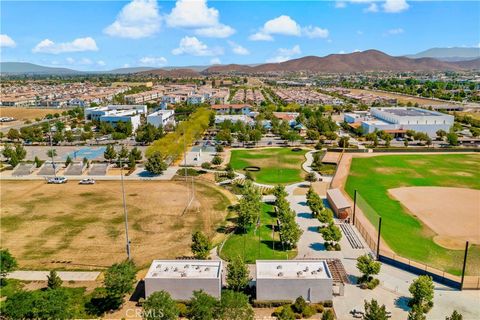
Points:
[(368, 222)]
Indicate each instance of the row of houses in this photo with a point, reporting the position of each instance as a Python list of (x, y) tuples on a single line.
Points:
[(191, 94), (305, 97), (274, 279)]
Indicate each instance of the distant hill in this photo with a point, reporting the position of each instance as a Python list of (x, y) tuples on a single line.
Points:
[(18, 68), (470, 64), (370, 60), (448, 54), (30, 68)]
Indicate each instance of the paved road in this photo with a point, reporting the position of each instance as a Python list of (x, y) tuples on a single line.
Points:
[(64, 275)]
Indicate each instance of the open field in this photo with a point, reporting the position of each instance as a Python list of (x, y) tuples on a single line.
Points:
[(257, 243), (75, 226), (24, 114), (402, 98), (277, 165), (405, 233), (435, 206)]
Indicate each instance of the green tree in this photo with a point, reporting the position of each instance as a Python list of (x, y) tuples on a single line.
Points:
[(280, 192), (325, 216), (203, 307), (69, 136), (136, 154), (123, 153), (286, 313), (53, 280), (20, 305), (237, 274), (235, 306), (441, 134), (290, 232), (54, 304), (119, 280), (37, 161), (160, 306), (416, 313), (422, 291), (314, 202), (51, 153), (109, 154), (155, 164), (328, 315), (331, 233), (367, 266), (452, 138), (455, 316), (201, 245), (343, 142), (13, 134), (311, 177), (8, 263), (14, 155), (217, 160), (373, 311), (68, 161), (250, 205)]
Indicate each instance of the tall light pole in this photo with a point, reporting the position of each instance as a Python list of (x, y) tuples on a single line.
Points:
[(125, 211), (52, 151)]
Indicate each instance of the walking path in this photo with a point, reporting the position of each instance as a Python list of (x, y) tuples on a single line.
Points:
[(25, 275)]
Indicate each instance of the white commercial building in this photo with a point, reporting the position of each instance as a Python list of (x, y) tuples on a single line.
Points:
[(161, 117), (117, 113), (180, 278), (400, 119), (289, 279)]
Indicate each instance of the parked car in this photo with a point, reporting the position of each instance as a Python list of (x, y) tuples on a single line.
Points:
[(87, 181), (57, 180)]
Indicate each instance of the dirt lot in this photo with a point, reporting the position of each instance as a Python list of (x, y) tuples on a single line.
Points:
[(452, 213), (401, 98), (82, 227), (23, 114)]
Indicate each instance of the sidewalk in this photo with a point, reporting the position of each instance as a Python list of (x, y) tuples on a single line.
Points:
[(64, 275)]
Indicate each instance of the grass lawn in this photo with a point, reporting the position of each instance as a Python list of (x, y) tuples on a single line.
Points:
[(277, 165), (403, 232), (257, 244)]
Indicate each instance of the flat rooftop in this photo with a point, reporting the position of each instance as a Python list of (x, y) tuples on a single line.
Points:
[(292, 269), (338, 198), (410, 112), (184, 269)]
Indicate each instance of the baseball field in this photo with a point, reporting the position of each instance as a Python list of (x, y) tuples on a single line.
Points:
[(429, 205)]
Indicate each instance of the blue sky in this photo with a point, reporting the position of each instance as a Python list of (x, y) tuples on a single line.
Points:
[(96, 35)]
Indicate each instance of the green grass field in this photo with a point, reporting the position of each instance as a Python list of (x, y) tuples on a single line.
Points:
[(257, 244), (372, 177), (277, 165)]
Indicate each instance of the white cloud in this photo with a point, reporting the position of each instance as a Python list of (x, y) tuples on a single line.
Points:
[(81, 62), (6, 41), (357, 50), (101, 63), (238, 49), (126, 65), (192, 14), (315, 32), (394, 6), (77, 45), (341, 52), (193, 46), (153, 61), (340, 4), (215, 61), (138, 19), (284, 54), (260, 36), (371, 8), (218, 31), (395, 31), (197, 14), (284, 25)]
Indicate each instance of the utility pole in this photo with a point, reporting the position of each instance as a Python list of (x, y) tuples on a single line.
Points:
[(125, 212), (378, 238), (464, 265), (52, 150)]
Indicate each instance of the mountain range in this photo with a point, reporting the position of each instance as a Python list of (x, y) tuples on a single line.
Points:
[(365, 61), (448, 54)]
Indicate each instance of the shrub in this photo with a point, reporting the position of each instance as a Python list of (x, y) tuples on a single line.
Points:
[(270, 303), (219, 148), (206, 165), (318, 307), (182, 309), (217, 160), (328, 304), (311, 177), (299, 305), (328, 315)]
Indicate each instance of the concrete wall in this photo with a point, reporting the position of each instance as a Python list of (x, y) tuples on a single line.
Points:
[(314, 290), (182, 289)]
